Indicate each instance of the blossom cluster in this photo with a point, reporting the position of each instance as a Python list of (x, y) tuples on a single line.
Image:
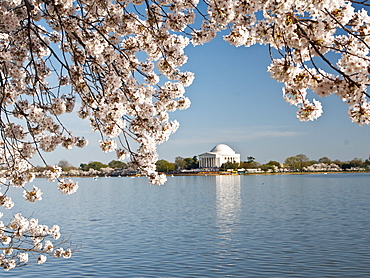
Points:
[(120, 61), (322, 47), (322, 167), (39, 240)]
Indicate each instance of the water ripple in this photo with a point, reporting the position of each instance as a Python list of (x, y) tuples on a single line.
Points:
[(236, 226)]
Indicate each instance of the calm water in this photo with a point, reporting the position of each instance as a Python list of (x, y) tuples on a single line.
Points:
[(237, 226)]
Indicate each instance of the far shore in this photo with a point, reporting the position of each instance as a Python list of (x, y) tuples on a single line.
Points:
[(264, 173), (216, 173)]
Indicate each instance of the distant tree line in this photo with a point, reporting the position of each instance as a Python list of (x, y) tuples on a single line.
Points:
[(181, 163), (294, 163), (95, 165), (300, 161)]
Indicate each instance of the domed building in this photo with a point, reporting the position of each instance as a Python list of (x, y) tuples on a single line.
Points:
[(219, 155)]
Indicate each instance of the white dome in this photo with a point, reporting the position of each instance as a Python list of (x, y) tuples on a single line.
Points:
[(222, 149)]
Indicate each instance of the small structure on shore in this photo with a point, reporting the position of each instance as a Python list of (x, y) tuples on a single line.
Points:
[(219, 155)]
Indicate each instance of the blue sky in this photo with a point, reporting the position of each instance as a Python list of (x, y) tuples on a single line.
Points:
[(234, 101)]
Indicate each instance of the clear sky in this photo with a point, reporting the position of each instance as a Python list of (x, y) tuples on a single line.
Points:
[(234, 101)]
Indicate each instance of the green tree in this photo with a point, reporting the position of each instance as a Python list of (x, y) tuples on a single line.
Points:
[(266, 167), (251, 163), (250, 159), (116, 164), (83, 167), (180, 163), (356, 162), (229, 165), (325, 160), (292, 163), (195, 162), (271, 165), (165, 166), (339, 163), (297, 162), (367, 161), (96, 165), (274, 163), (186, 163), (191, 162)]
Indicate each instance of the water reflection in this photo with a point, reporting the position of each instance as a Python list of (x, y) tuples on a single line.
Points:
[(228, 204), (208, 226)]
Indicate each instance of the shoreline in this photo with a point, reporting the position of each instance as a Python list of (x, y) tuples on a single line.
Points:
[(265, 174), (212, 174)]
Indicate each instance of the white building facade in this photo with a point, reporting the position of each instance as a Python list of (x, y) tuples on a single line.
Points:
[(219, 155)]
